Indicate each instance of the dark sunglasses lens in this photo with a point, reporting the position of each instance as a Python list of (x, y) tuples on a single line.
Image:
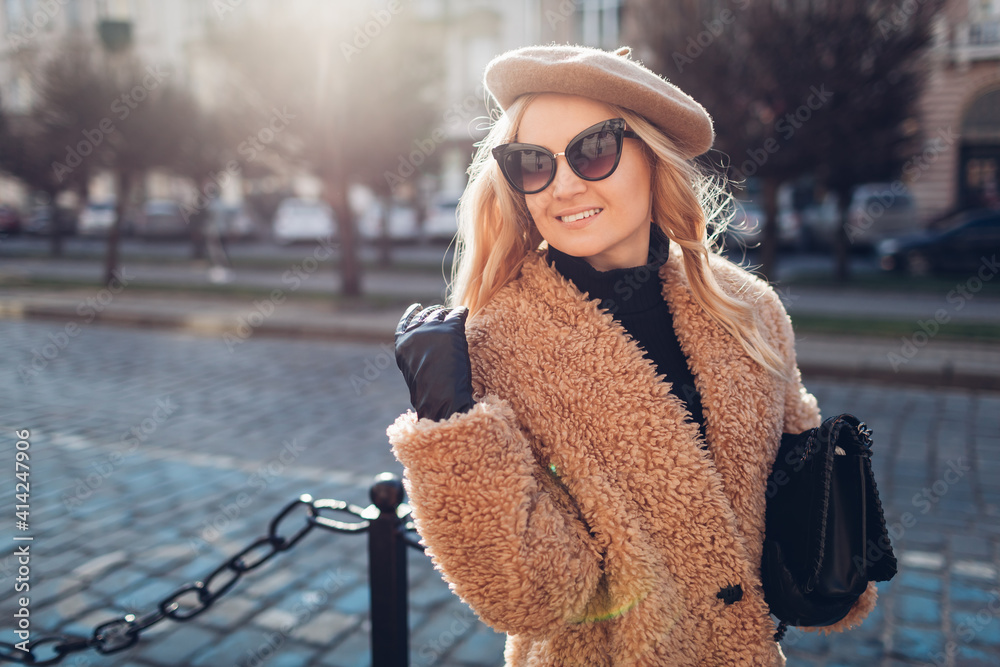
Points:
[(594, 155), (528, 170)]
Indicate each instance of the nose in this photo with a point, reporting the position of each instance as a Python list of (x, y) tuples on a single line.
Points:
[(566, 183)]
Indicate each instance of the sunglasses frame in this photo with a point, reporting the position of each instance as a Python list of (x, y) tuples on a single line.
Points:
[(615, 125)]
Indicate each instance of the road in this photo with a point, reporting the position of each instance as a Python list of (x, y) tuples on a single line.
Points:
[(155, 456), (307, 268)]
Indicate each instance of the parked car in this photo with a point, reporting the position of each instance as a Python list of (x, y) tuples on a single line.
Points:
[(39, 222), (402, 223), (819, 221), (10, 220), (789, 229), (302, 220), (747, 227), (97, 218), (954, 245), (879, 211), (876, 211), (442, 219), (162, 218), (231, 222)]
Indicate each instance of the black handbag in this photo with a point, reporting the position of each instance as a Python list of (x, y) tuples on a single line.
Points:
[(825, 535)]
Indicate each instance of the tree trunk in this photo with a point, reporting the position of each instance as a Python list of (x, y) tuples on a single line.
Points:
[(769, 242), (56, 240), (124, 193), (384, 242), (841, 245), (350, 265), (196, 224)]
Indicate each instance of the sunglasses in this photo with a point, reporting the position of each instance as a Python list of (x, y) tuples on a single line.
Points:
[(593, 155)]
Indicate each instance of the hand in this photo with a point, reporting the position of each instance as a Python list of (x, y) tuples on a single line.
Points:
[(433, 353)]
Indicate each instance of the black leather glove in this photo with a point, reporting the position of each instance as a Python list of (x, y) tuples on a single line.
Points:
[(433, 353)]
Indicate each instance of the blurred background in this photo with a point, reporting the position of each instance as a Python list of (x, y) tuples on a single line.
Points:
[(213, 212)]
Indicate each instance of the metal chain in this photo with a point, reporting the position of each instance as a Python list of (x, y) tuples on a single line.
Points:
[(193, 598)]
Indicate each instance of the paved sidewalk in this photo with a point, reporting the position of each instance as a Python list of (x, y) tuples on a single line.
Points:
[(117, 525), (919, 358)]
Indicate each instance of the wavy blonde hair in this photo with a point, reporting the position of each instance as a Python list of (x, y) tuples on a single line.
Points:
[(496, 233)]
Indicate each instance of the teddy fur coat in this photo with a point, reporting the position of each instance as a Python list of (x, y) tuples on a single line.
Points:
[(573, 507)]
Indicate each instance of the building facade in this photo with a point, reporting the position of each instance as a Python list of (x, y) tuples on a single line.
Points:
[(174, 35), (960, 113)]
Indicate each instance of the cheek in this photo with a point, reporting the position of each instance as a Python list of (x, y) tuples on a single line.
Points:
[(636, 187), (537, 205)]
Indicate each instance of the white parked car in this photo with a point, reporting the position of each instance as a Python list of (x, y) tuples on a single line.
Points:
[(303, 220), (442, 219), (876, 211), (402, 223), (162, 219), (879, 211), (96, 218), (230, 221)]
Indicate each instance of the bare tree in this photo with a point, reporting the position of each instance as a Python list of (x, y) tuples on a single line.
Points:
[(43, 147), (358, 99), (797, 86), (121, 115)]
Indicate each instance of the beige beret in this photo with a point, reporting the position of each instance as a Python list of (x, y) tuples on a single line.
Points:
[(608, 76)]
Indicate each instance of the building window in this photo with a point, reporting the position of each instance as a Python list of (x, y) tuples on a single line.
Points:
[(599, 22), (17, 12), (478, 53), (985, 9), (116, 9), (73, 13)]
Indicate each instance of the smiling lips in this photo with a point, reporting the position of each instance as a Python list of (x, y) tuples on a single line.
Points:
[(581, 215)]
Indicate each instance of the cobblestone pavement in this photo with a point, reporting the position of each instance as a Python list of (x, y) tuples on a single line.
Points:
[(155, 456)]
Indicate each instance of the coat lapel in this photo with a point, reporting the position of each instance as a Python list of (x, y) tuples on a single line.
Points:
[(741, 401)]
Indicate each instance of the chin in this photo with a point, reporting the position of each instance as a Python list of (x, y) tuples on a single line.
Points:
[(578, 247)]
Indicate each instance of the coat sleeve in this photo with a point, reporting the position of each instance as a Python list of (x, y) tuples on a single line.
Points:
[(504, 534), (800, 408), (802, 413)]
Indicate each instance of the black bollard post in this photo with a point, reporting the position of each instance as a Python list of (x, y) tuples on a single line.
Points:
[(387, 576)]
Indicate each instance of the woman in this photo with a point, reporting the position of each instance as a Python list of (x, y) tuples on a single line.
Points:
[(588, 458)]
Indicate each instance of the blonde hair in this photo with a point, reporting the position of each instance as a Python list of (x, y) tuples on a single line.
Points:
[(496, 233)]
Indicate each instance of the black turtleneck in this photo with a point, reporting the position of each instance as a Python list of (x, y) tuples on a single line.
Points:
[(634, 297)]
